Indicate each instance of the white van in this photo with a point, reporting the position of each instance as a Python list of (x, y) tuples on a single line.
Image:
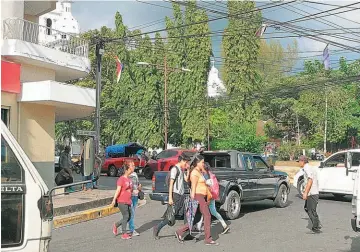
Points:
[(23, 200), (26, 207), (332, 175), (355, 203)]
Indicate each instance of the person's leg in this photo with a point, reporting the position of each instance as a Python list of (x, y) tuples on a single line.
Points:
[(158, 227), (215, 213), (125, 211), (134, 200), (311, 205), (204, 209)]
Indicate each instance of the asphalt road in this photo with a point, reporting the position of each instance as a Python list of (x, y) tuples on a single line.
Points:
[(261, 227)]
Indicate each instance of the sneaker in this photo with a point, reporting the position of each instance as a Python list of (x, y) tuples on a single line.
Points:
[(225, 230), (125, 236), (179, 238), (316, 230), (115, 230), (156, 233), (212, 243), (134, 233)]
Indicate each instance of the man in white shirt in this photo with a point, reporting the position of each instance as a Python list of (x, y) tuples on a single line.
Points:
[(311, 193)]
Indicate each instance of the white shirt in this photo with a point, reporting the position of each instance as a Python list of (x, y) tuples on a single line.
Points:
[(311, 172)]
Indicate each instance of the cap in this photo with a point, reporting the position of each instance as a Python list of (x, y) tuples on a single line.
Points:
[(303, 158)]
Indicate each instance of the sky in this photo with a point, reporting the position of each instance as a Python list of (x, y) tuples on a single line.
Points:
[(143, 14)]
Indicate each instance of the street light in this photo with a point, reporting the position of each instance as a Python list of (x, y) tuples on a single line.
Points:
[(165, 93)]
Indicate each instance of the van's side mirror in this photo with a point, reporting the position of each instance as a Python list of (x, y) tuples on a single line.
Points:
[(348, 162), (321, 165), (271, 167)]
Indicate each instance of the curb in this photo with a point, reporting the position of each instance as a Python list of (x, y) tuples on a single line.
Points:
[(72, 209), (91, 214)]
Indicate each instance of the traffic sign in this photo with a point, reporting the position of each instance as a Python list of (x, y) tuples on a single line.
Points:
[(85, 133)]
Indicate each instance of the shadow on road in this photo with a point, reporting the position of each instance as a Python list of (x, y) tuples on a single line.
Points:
[(355, 243), (148, 225), (252, 207)]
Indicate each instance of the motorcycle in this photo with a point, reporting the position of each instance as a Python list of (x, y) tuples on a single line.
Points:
[(77, 167)]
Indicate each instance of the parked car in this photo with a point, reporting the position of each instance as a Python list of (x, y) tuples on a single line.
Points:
[(242, 177), (116, 155), (332, 175), (164, 161)]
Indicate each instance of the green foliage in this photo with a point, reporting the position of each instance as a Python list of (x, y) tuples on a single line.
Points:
[(240, 137)]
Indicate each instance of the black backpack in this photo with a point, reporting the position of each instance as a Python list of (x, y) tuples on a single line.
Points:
[(167, 179)]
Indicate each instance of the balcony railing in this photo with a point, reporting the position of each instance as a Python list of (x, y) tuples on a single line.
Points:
[(41, 35)]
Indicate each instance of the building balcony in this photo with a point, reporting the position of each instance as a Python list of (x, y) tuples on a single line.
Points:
[(30, 43), (70, 101)]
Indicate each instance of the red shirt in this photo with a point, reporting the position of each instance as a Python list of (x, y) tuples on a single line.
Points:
[(126, 190)]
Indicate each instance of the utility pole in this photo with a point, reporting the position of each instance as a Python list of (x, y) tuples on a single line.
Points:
[(99, 53), (326, 115), (165, 107), (208, 121)]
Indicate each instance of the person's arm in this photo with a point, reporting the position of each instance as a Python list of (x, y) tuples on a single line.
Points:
[(309, 183), (116, 195), (171, 186), (194, 182)]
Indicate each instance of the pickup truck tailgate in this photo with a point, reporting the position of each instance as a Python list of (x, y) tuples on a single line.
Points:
[(159, 186)]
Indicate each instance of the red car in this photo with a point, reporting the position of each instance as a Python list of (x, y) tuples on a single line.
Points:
[(164, 161), (111, 166)]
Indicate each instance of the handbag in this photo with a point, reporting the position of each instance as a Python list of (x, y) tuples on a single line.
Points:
[(170, 215), (141, 195)]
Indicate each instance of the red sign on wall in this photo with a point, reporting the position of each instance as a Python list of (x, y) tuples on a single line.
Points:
[(10, 77)]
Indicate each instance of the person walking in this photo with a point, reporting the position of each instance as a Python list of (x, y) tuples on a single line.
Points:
[(311, 193), (122, 198), (200, 192), (176, 191), (213, 185), (134, 200), (66, 166)]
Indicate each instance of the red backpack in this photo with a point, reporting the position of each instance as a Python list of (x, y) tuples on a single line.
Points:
[(214, 189)]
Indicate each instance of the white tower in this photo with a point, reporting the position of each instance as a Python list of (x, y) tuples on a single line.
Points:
[(58, 24), (215, 86)]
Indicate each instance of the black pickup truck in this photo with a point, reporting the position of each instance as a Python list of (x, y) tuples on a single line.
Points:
[(242, 177)]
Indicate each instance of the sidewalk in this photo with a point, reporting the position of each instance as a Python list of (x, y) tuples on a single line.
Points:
[(83, 206)]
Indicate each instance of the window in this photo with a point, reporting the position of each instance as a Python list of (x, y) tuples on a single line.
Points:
[(63, 36), (166, 154), (259, 163), (338, 160), (218, 160), (356, 159), (48, 26), (12, 202), (5, 116), (12, 214), (248, 162), (11, 170)]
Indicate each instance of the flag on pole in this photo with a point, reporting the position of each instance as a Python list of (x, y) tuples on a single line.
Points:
[(119, 68), (261, 30), (326, 57)]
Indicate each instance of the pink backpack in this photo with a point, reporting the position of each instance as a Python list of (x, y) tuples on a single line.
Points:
[(214, 189)]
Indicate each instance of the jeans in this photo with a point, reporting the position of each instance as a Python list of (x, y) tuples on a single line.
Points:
[(126, 214), (310, 207), (134, 200), (88, 185), (204, 209), (215, 213), (179, 208)]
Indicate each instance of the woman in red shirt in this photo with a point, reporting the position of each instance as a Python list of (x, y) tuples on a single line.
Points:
[(123, 198)]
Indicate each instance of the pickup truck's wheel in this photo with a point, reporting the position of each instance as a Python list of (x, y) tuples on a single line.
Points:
[(301, 186), (148, 173), (112, 171), (233, 205), (281, 199), (339, 196)]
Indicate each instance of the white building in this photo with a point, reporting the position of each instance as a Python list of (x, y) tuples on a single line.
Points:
[(34, 95), (215, 86), (58, 24)]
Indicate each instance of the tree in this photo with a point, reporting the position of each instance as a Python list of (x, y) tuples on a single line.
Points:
[(241, 48)]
